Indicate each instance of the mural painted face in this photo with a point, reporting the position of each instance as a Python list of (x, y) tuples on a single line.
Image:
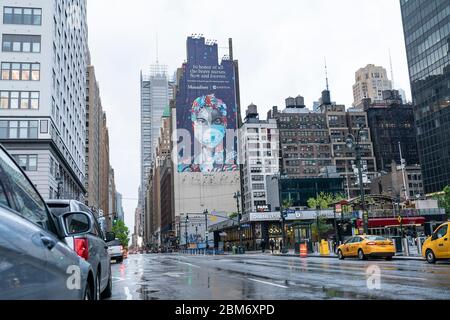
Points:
[(209, 120)]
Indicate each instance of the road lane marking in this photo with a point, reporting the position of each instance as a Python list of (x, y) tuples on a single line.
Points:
[(127, 293), (118, 279), (189, 264), (269, 283)]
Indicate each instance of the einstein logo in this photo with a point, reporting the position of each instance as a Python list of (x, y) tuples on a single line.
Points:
[(73, 13)]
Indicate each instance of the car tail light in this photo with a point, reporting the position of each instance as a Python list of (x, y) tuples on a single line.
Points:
[(371, 243), (82, 248)]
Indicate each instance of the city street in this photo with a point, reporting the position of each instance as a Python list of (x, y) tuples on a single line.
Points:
[(266, 277)]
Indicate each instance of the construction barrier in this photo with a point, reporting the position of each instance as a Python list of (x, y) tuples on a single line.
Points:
[(303, 251), (324, 248)]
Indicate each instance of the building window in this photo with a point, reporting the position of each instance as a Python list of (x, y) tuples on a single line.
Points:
[(21, 71), (18, 15), (19, 100), (21, 43), (26, 162), (19, 129)]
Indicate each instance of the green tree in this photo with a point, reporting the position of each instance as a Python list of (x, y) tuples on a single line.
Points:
[(323, 201), (444, 200), (287, 204), (122, 233)]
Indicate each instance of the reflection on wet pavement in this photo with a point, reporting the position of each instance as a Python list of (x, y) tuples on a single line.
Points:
[(263, 277)]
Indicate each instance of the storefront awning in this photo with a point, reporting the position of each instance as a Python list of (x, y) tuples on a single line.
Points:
[(392, 222)]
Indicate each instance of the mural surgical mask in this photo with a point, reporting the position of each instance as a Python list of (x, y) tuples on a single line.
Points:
[(209, 119)]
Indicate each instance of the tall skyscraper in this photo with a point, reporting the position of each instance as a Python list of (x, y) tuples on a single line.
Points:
[(392, 126), (370, 82), (42, 91), (156, 92), (206, 173), (426, 26)]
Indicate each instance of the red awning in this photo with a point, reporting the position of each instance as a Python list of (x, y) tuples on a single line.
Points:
[(384, 222)]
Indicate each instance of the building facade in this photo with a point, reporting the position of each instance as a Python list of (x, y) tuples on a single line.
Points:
[(401, 184), (426, 27), (206, 169), (42, 92), (259, 152), (393, 131), (370, 82), (341, 123), (304, 138), (94, 113)]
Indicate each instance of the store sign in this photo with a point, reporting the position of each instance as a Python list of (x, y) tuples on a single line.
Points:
[(264, 208), (310, 215), (265, 216)]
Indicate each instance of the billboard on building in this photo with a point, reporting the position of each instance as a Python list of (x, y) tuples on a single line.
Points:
[(206, 112)]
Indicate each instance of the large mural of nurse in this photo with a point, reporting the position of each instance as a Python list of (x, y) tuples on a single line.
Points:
[(209, 116)]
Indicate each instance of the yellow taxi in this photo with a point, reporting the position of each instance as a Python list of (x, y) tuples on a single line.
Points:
[(437, 247), (367, 246)]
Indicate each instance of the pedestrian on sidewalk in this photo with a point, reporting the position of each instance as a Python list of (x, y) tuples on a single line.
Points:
[(281, 246), (263, 246), (272, 245)]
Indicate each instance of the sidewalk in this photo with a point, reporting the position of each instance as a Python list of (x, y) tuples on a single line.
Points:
[(334, 256)]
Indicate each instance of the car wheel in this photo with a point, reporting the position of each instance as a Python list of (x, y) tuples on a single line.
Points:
[(361, 255), (97, 287), (88, 294), (340, 255), (108, 291), (431, 258)]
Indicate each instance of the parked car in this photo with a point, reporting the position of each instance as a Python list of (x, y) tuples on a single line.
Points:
[(115, 250), (35, 261), (367, 246), (437, 247), (91, 246)]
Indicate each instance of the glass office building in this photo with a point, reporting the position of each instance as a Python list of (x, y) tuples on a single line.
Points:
[(426, 25)]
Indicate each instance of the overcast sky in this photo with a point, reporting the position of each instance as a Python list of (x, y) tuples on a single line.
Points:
[(281, 47)]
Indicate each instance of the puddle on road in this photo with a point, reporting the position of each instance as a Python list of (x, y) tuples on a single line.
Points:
[(146, 293)]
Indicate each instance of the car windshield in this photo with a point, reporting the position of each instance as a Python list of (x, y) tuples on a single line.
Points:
[(59, 209), (114, 243), (376, 238)]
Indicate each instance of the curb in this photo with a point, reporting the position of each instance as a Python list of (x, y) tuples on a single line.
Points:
[(398, 258)]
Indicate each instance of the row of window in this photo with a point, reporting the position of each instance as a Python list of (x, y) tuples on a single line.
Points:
[(21, 43), (21, 71), (19, 15), (19, 129), (19, 100), (27, 162)]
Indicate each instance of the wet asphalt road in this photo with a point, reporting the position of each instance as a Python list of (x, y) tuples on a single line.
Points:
[(266, 277)]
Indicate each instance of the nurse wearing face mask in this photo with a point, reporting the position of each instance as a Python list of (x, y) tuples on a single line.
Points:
[(209, 120)]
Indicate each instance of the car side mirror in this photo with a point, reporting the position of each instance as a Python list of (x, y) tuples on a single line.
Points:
[(76, 223), (110, 236), (434, 237)]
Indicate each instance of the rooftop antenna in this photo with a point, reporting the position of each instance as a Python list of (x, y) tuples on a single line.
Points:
[(157, 48), (326, 74), (392, 70)]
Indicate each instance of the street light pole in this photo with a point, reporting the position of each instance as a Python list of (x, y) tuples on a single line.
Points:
[(186, 232), (206, 228), (237, 195), (352, 144), (282, 216)]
